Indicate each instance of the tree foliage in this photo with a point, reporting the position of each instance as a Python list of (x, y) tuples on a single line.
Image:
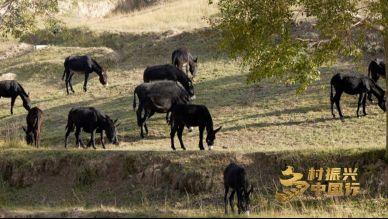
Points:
[(289, 40), (20, 17)]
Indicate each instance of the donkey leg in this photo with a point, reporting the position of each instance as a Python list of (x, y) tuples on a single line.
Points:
[(67, 86), (149, 115), (92, 139), (226, 199), (102, 139), (77, 133), (231, 201), (144, 122), (364, 104), (86, 82), (79, 142), (332, 108), (67, 135), (71, 85), (337, 99), (370, 97), (172, 135), (12, 103), (140, 119), (180, 132), (35, 138), (360, 98), (201, 129)]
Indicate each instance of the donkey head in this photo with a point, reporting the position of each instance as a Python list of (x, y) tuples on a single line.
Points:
[(103, 77), (110, 129), (29, 136), (193, 67), (382, 104), (191, 90), (245, 202), (211, 136)]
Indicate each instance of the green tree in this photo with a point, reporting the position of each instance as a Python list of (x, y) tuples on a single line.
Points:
[(288, 40), (20, 17)]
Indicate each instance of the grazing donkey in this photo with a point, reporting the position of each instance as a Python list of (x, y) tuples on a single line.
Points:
[(84, 65), (91, 121), (191, 115), (236, 178), (375, 71), (181, 57), (12, 89), (169, 72), (159, 97), (34, 126), (354, 84)]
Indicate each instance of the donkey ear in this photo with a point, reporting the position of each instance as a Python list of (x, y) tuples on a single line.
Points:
[(118, 125), (24, 129), (217, 130), (196, 59), (114, 122)]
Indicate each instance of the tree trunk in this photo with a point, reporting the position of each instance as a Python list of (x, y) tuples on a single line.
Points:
[(384, 6), (386, 88)]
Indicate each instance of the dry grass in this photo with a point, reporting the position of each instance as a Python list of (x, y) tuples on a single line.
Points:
[(166, 16)]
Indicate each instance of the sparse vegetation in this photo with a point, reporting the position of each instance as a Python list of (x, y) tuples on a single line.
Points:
[(144, 177)]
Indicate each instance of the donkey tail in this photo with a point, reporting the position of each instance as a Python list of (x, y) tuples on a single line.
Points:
[(69, 125), (331, 93), (134, 100), (173, 58), (65, 64), (168, 117)]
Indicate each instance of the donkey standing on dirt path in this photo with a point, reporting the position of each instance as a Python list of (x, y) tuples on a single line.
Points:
[(12, 89), (84, 65)]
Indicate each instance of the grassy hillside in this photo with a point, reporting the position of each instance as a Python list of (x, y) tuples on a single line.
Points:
[(267, 117), (122, 184)]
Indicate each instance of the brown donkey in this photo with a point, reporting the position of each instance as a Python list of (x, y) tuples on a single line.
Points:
[(34, 126)]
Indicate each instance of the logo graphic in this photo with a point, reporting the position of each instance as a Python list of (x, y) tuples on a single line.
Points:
[(335, 182)]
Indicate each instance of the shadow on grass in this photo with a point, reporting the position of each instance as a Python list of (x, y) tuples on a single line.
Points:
[(139, 50)]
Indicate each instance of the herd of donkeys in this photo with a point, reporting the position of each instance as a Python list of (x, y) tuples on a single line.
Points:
[(166, 89), (169, 89)]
